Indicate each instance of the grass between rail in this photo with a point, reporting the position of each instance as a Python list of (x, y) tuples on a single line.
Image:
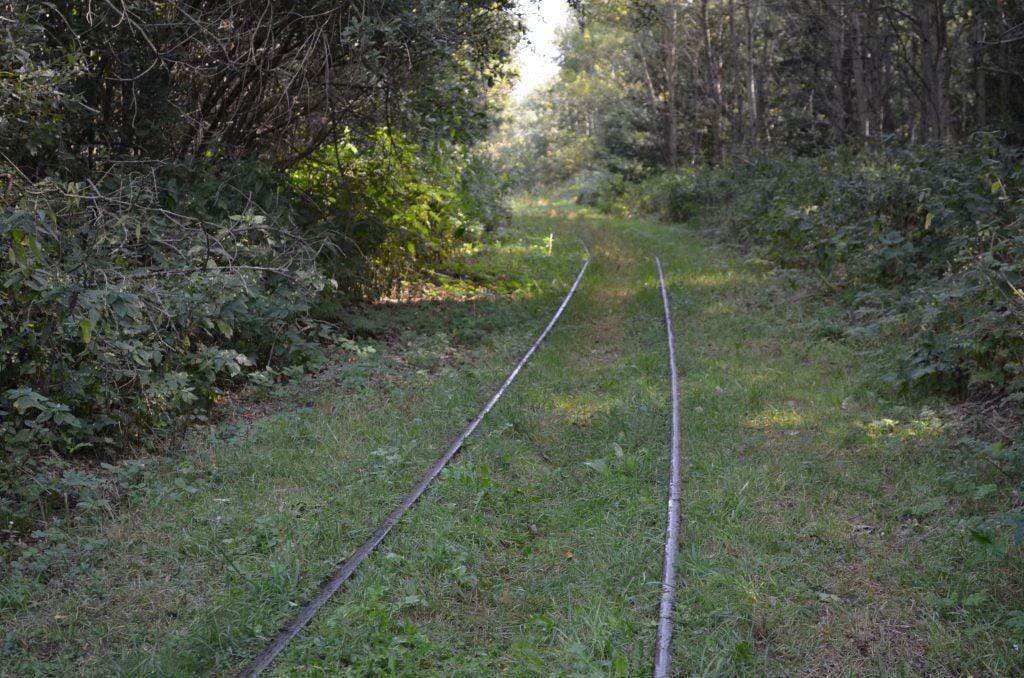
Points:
[(824, 528)]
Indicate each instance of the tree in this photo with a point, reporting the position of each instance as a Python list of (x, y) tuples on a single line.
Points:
[(712, 78)]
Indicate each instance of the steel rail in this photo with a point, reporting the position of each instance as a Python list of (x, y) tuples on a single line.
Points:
[(663, 655), (266, 657)]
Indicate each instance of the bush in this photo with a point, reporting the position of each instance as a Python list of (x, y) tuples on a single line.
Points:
[(931, 237), (674, 196), (390, 206), (158, 246), (121, 310), (599, 188)]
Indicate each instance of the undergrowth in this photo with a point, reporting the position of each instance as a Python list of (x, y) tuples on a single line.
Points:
[(924, 244), (919, 249)]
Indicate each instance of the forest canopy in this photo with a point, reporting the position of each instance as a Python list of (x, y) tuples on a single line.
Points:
[(660, 83), (185, 184)]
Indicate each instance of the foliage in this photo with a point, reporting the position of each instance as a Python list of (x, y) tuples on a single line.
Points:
[(167, 221), (655, 84), (126, 308), (673, 196), (589, 119), (202, 79), (927, 240), (598, 188), (391, 205)]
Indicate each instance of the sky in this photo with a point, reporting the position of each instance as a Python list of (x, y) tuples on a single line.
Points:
[(538, 52)]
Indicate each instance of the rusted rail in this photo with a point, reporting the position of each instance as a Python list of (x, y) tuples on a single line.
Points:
[(663, 655), (339, 576)]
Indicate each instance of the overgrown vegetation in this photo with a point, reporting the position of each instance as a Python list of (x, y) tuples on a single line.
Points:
[(828, 528), (802, 125), (184, 183), (654, 84), (201, 195), (926, 245), (875, 145)]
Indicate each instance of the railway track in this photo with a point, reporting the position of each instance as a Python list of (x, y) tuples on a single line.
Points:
[(337, 579), (266, 657), (663, 643)]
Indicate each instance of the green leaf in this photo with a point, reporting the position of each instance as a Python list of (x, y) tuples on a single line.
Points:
[(981, 536), (86, 327), (985, 491), (927, 507)]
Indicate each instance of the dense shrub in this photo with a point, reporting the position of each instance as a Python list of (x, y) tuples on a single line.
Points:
[(930, 240), (598, 188), (213, 79), (126, 305), (671, 196), (391, 206), (183, 182)]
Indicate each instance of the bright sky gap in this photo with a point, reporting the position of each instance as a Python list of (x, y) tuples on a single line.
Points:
[(538, 52)]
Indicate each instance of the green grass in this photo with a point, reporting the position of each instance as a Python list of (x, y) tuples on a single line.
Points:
[(825, 526)]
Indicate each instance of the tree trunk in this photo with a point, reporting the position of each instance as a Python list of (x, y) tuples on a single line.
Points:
[(1005, 70), (936, 115), (753, 110), (672, 83), (714, 86), (839, 110), (861, 98), (878, 47), (978, 65)]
